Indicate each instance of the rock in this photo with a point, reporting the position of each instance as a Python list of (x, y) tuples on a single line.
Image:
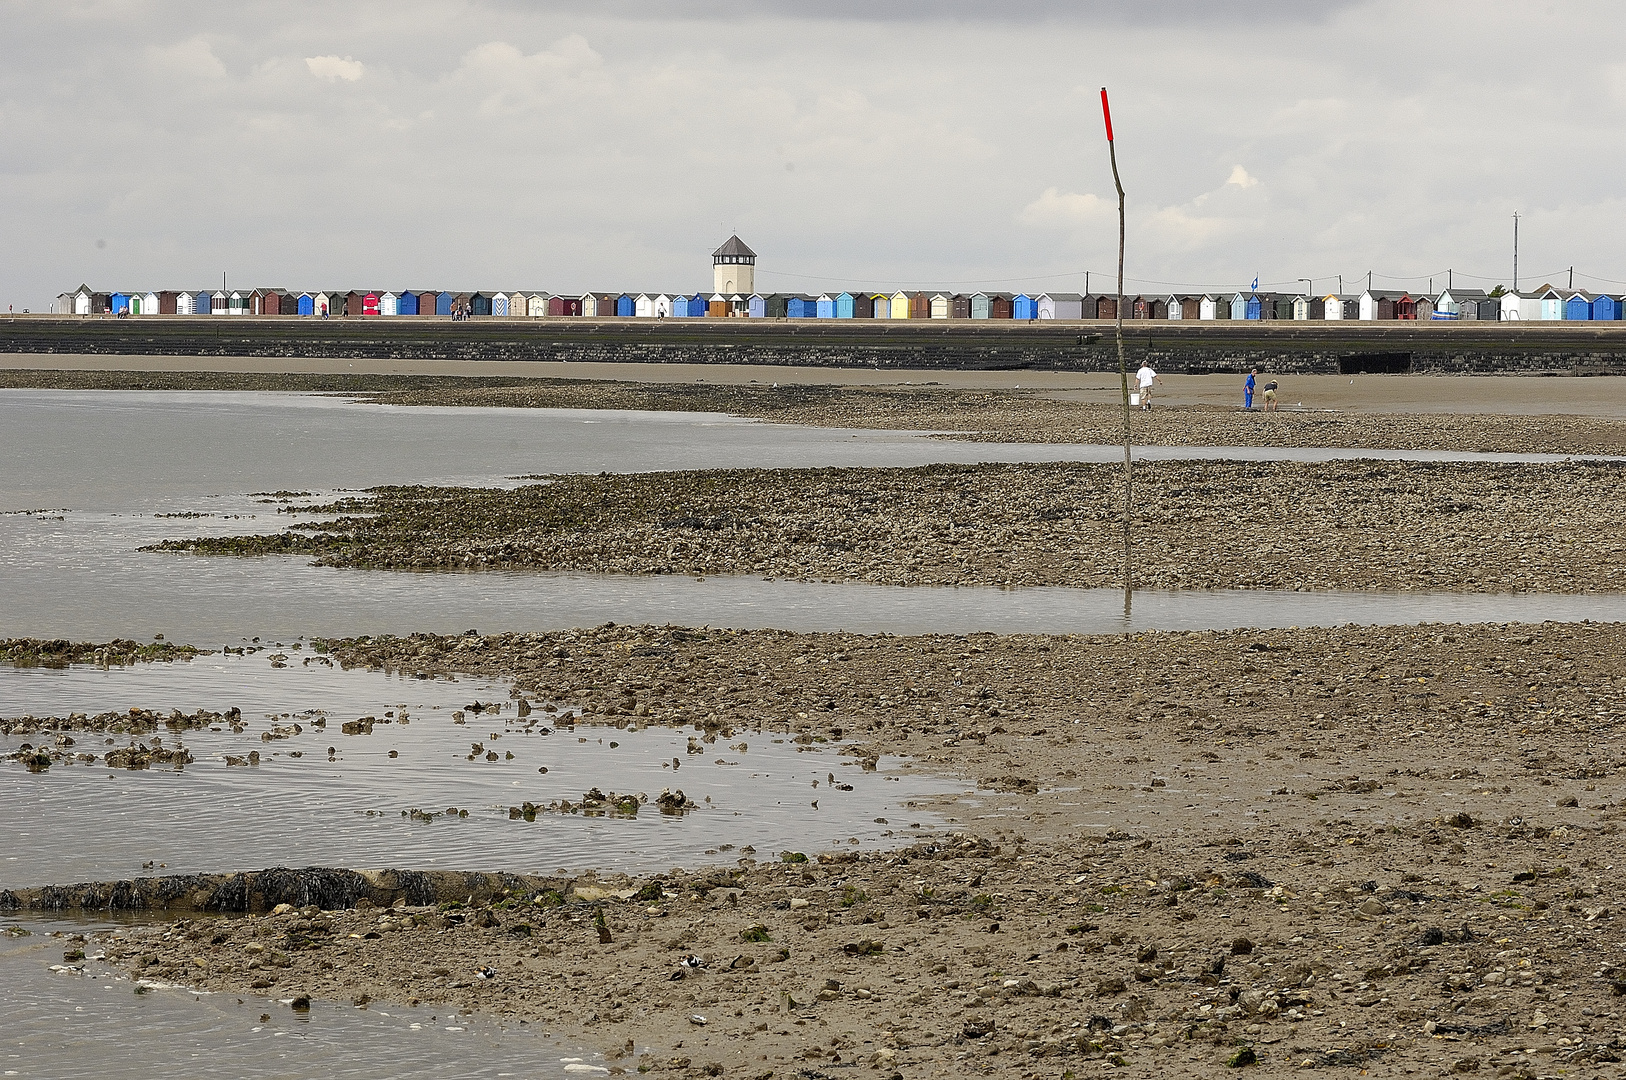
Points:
[(978, 1027), (1109, 986), (1374, 907), (1241, 947), (1242, 1058)]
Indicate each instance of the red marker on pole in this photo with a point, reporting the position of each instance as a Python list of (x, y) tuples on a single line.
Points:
[(1106, 111)]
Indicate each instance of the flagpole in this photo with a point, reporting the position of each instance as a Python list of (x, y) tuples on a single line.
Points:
[(1123, 366)]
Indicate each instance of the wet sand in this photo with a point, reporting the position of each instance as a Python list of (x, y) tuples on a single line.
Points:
[(1377, 849), (1602, 396)]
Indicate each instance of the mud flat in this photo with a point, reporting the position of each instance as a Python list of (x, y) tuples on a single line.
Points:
[(1490, 414), (1336, 417), (1331, 525), (1385, 849)]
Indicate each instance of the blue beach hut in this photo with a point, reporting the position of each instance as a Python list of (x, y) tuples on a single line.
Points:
[(756, 306), (824, 307), (1578, 308), (797, 308), (680, 306), (625, 306), (118, 303), (982, 305), (306, 304), (1024, 307), (1605, 309), (1239, 307), (697, 306), (844, 306), (479, 304), (1255, 308), (407, 304), (444, 302)]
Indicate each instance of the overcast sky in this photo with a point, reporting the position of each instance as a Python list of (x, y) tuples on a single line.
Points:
[(505, 144)]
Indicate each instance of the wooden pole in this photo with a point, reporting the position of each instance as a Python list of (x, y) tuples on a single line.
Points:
[(1123, 365)]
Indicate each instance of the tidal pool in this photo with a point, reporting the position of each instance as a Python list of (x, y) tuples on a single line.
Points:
[(752, 793), (84, 1021)]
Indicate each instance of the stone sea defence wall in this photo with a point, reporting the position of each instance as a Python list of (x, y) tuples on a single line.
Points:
[(1175, 348)]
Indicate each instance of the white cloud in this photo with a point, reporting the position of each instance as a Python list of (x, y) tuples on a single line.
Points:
[(333, 68), (509, 80), (193, 58), (1240, 178), (1066, 209)]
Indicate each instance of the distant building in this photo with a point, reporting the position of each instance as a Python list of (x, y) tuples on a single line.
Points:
[(734, 268)]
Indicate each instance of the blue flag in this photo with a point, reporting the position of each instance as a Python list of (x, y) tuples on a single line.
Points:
[(1256, 284)]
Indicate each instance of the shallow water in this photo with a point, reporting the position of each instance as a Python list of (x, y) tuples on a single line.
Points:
[(119, 592), (118, 460), (132, 450), (84, 822), (90, 1024)]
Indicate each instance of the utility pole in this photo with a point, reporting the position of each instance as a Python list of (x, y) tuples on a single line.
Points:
[(1340, 286), (1086, 283), (1123, 366), (1450, 282), (1515, 251), (1369, 281), (1309, 287), (1572, 280)]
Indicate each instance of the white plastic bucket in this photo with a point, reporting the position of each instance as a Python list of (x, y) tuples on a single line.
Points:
[(1134, 399)]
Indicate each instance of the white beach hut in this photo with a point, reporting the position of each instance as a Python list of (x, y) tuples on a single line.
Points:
[(1521, 307)]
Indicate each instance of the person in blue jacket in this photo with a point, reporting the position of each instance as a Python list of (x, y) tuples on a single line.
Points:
[(1247, 390)]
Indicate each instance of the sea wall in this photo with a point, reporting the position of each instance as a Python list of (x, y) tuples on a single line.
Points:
[(1191, 348)]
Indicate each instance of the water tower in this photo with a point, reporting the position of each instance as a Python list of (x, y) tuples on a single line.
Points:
[(734, 269)]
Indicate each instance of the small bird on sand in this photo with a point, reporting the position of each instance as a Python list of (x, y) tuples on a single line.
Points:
[(486, 973)]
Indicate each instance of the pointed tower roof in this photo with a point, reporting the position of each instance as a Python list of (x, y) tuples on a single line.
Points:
[(734, 250)]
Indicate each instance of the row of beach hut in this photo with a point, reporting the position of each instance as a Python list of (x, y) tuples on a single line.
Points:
[(1544, 304)]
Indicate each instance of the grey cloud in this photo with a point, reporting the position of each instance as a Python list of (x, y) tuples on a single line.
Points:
[(538, 146), (1011, 12)]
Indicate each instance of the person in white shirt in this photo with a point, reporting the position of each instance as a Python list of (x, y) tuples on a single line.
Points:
[(1146, 377)]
